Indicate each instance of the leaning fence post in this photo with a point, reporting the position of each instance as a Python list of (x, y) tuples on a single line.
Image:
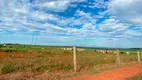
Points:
[(118, 57), (74, 58), (138, 54)]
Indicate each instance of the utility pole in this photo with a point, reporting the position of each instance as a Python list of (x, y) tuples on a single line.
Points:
[(36, 39), (32, 39), (118, 57), (139, 59)]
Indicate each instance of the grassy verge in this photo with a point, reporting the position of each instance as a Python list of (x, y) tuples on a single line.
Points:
[(137, 78)]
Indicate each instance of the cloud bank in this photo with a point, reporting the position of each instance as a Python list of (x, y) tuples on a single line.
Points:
[(70, 22)]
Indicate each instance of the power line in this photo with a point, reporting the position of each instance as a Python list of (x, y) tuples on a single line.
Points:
[(32, 39), (36, 39)]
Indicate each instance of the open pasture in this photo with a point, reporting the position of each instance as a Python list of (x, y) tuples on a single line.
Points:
[(53, 59)]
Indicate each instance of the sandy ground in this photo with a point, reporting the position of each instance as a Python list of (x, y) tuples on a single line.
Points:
[(116, 74)]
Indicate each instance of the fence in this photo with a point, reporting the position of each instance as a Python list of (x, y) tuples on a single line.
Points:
[(117, 52), (63, 58)]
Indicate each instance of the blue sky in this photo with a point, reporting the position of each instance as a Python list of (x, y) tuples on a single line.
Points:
[(90, 23)]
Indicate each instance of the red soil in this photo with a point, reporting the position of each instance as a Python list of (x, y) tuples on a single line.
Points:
[(116, 74), (3, 54), (21, 54)]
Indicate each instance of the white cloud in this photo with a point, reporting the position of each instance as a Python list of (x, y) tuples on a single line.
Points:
[(17, 17), (85, 17), (98, 4), (54, 28), (112, 25), (41, 16), (20, 17), (80, 18), (133, 33), (128, 11), (55, 5), (89, 26)]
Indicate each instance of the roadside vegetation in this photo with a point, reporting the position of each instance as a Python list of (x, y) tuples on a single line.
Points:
[(137, 78)]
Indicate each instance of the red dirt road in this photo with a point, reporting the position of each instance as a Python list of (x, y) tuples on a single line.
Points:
[(116, 74)]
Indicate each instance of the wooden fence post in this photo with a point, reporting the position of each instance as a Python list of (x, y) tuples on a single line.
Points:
[(118, 57), (74, 58), (138, 53)]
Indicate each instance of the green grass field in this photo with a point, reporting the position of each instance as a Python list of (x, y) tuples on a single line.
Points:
[(26, 58)]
